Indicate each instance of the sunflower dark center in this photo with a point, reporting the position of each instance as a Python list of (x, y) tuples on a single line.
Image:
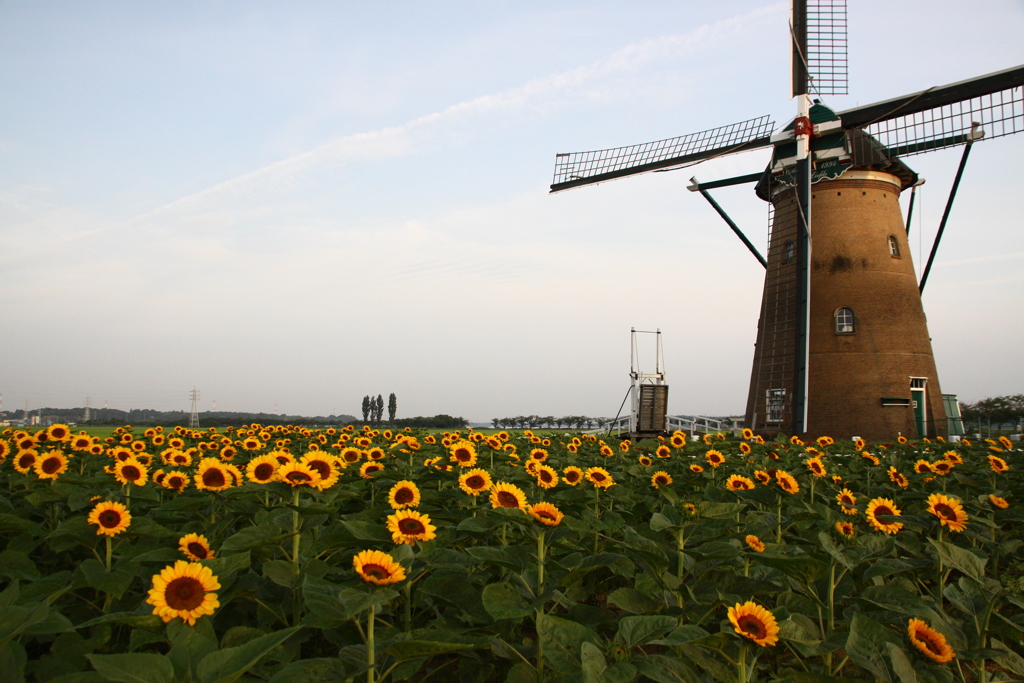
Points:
[(475, 482), (883, 510), (411, 527), (752, 625), (351, 456), (664, 480), (929, 642), (404, 496), (297, 477), (199, 550), (263, 471), (545, 476), (545, 514), (376, 571), (462, 455), (131, 472), (598, 476), (51, 465), (175, 482), (214, 477), (109, 519), (507, 500), (945, 511), (572, 476), (321, 467), (184, 593)]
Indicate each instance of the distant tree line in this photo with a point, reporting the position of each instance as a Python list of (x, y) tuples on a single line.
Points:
[(437, 421), (549, 422), (998, 412), (172, 418)]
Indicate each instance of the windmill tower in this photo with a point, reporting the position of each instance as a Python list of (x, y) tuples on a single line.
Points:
[(842, 342)]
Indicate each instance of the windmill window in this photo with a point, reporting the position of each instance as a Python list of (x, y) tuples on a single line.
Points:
[(790, 248), (775, 402), (844, 321), (894, 247)]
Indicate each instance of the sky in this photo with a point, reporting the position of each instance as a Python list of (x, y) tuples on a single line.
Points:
[(292, 205)]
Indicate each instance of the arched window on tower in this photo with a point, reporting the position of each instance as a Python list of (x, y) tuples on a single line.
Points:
[(894, 247), (844, 321)]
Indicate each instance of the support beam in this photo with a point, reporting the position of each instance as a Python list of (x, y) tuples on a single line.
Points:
[(910, 209), (725, 182), (729, 221), (945, 214)]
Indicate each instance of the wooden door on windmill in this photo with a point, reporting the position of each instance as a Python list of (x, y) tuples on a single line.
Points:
[(653, 407)]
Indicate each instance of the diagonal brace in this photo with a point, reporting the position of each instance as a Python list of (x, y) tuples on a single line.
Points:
[(729, 221), (949, 206)]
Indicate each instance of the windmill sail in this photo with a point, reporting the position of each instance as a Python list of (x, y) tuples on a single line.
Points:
[(944, 116), (586, 168)]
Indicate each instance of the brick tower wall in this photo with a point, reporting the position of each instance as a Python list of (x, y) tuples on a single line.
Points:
[(852, 267)]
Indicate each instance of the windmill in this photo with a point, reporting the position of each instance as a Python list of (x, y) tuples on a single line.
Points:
[(842, 342)]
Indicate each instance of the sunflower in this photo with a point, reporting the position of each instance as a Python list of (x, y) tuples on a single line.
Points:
[(1004, 440), (816, 466), (745, 448), (475, 481), (645, 461), (131, 471), (949, 511), (323, 464), (661, 478), (748, 433), (883, 506), (845, 528), (847, 501), (796, 441), (923, 467), (599, 477), (738, 482), (178, 458), (572, 475), (787, 482), (859, 444), (212, 475), (696, 469), (463, 453), (404, 494), (708, 439), (195, 547), (663, 452), (546, 513), (63, 432), (714, 458), (873, 459), (298, 474), (763, 477), (898, 478), (508, 496), (176, 442), (997, 464), (998, 502), (120, 453), (110, 518), (378, 567), (755, 622), (929, 641), (252, 444), (51, 465), (376, 453), (607, 451), (262, 469), (228, 453), (368, 469), (678, 440), (184, 591), (825, 441), (953, 457), (175, 480), (409, 526), (754, 543)]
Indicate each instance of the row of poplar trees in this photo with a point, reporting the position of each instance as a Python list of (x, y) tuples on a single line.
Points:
[(373, 409)]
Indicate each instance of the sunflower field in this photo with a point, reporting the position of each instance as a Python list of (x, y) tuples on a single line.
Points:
[(288, 554)]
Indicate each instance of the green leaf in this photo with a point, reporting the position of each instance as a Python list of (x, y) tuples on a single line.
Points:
[(319, 670), (115, 582), (660, 522), (1008, 659), (367, 531), (149, 622), (562, 639), (12, 661), (804, 568), (632, 600), (634, 631), (959, 558), (709, 510), (254, 537), (408, 649), (511, 556), (593, 662), (230, 664), (240, 635), (190, 645), (227, 565), (866, 645), (14, 620), (478, 525), (830, 547), (280, 572), (665, 669), (687, 633), (133, 667), (18, 565), (886, 566), (167, 555), (503, 601), (329, 607), (11, 525), (901, 664)]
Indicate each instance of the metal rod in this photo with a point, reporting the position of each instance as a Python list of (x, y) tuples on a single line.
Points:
[(910, 209), (725, 182), (735, 228), (945, 215), (803, 257)]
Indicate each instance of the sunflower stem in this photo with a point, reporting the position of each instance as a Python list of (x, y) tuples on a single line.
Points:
[(741, 665), (778, 519), (371, 654), (813, 478), (296, 537), (407, 589), (938, 582), (540, 610), (109, 549)]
